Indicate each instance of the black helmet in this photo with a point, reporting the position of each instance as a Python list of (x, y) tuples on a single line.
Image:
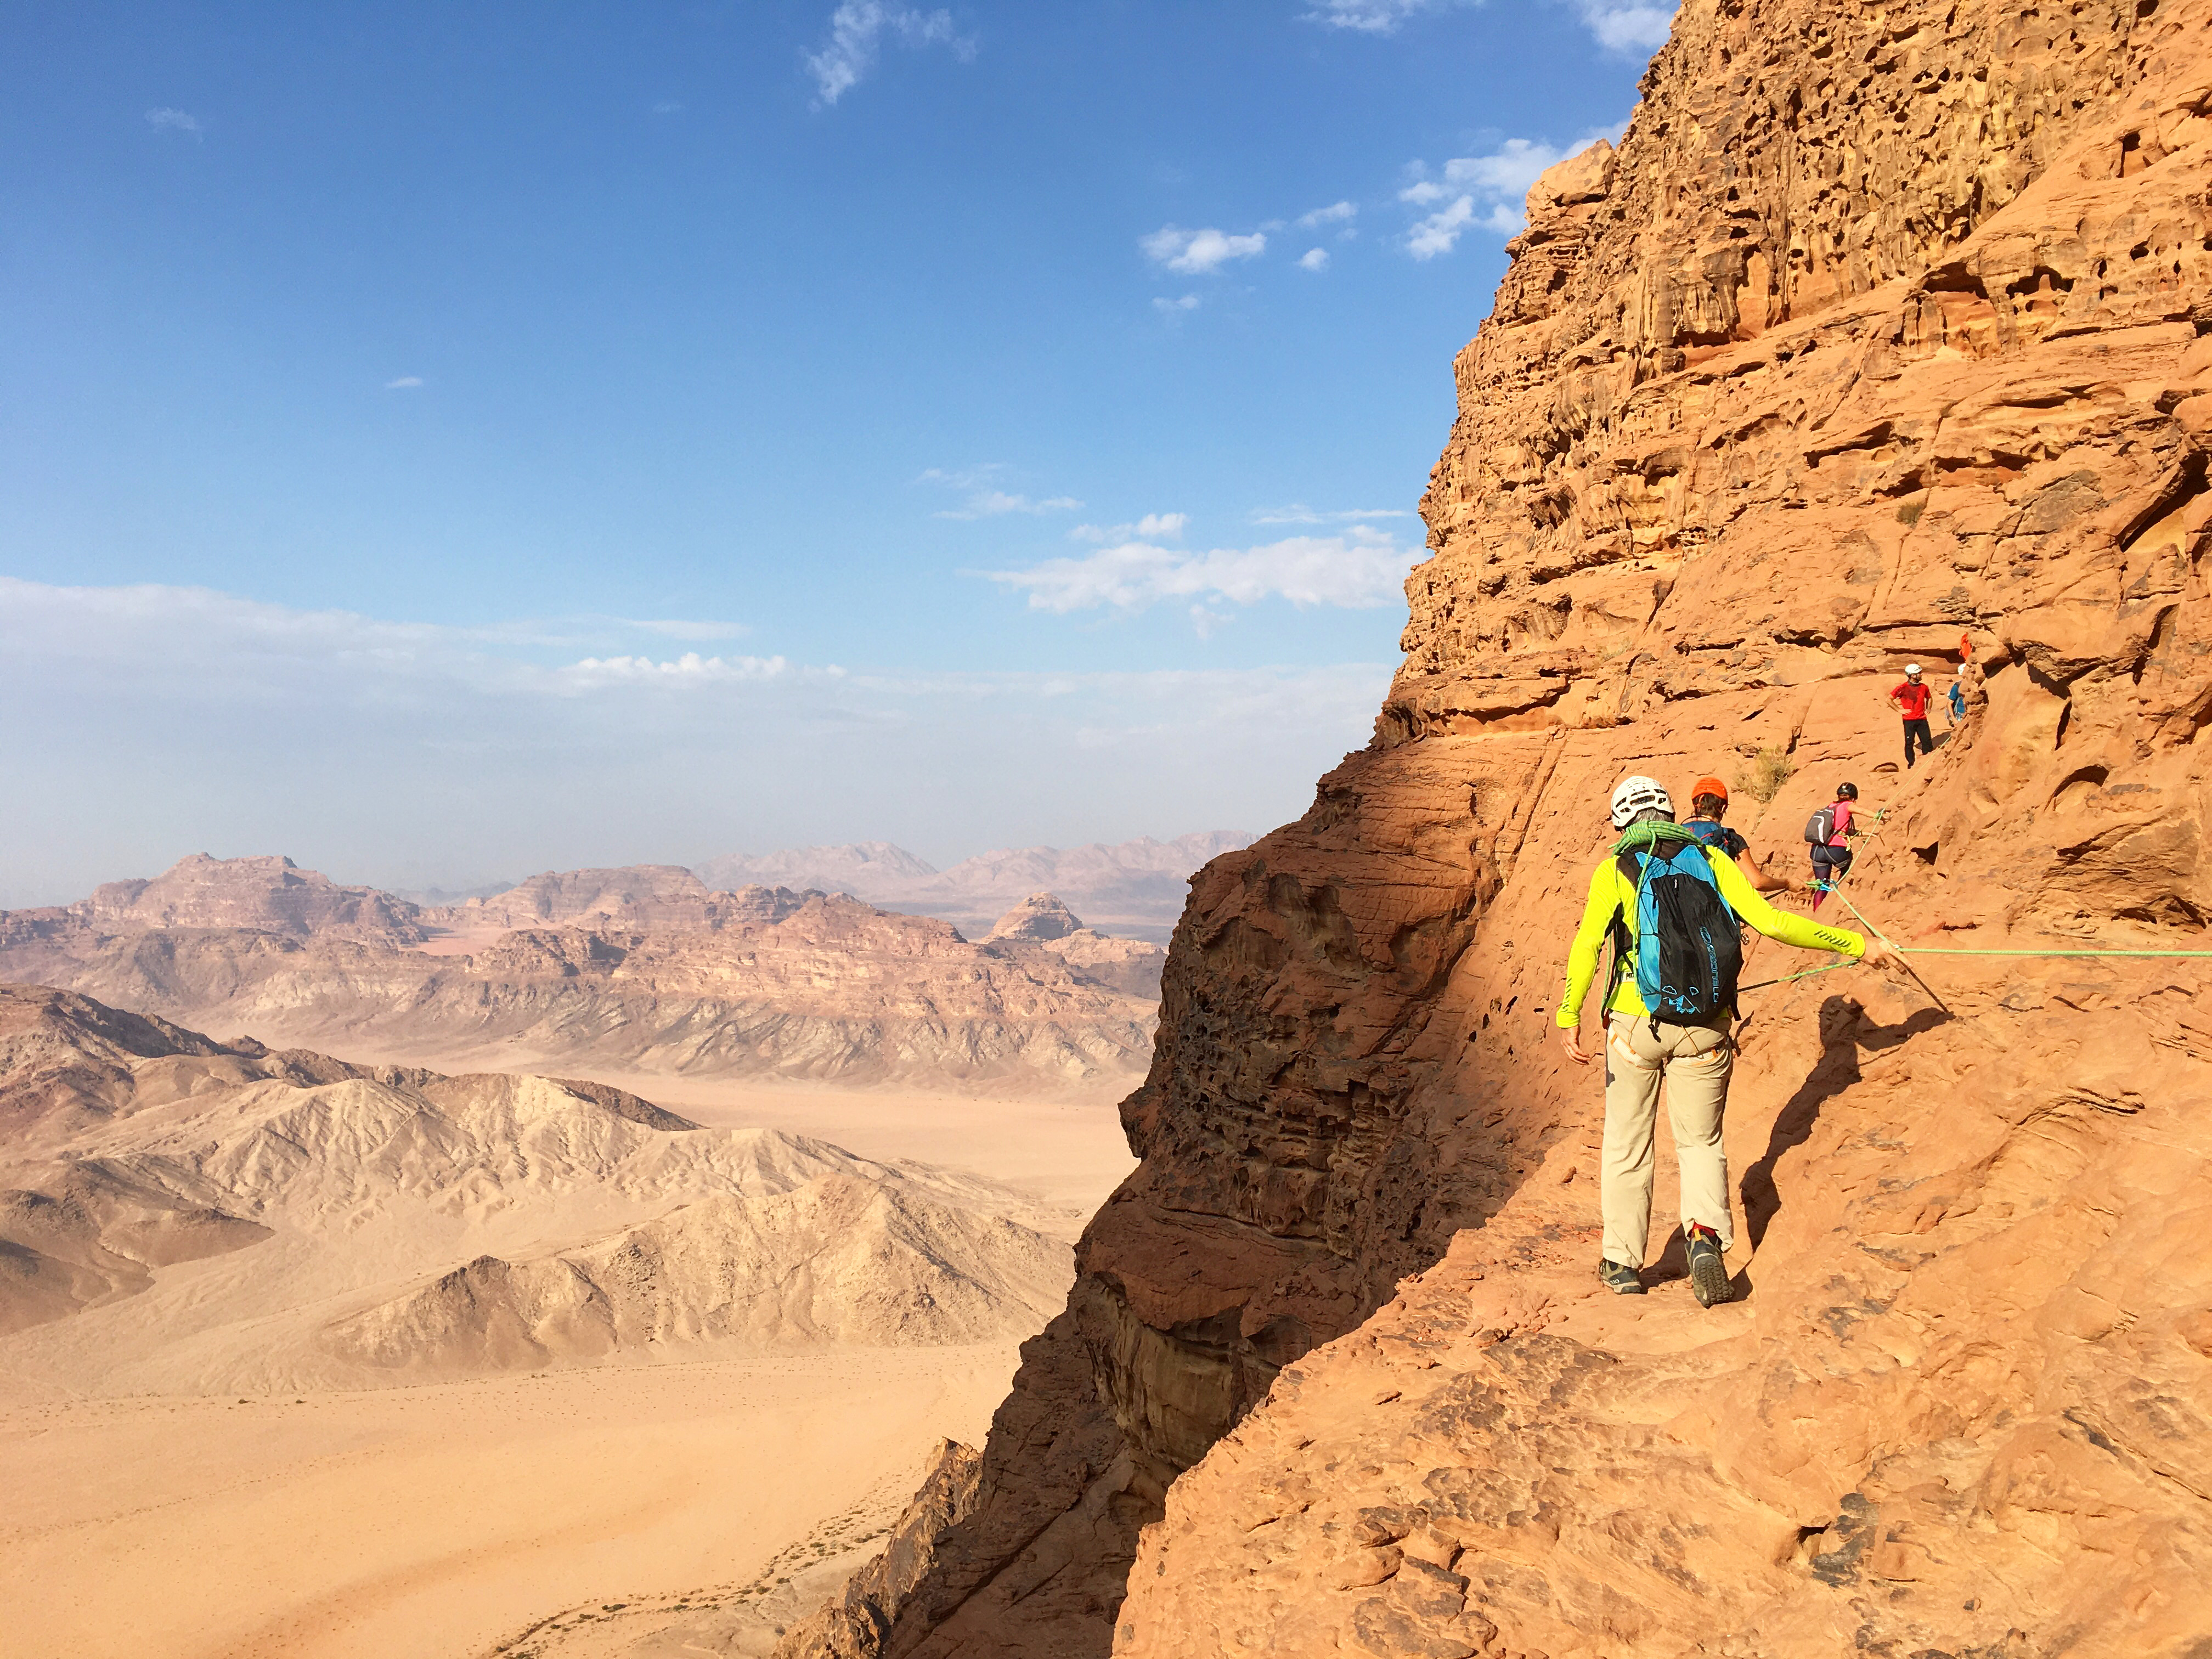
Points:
[(1847, 792)]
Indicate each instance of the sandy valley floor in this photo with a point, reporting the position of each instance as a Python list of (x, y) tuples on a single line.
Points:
[(446, 1520)]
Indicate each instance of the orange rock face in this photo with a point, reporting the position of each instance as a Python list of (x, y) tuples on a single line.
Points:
[(1885, 336)]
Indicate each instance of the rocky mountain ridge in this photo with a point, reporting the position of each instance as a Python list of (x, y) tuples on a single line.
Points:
[(643, 968), (1883, 335)]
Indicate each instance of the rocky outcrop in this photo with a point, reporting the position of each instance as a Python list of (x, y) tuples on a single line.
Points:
[(1041, 922), (1883, 335), (853, 1625), (269, 895), (637, 897)]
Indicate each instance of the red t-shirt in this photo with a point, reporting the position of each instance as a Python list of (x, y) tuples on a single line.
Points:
[(1914, 698)]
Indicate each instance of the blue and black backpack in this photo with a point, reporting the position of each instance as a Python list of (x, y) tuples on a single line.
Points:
[(1689, 944)]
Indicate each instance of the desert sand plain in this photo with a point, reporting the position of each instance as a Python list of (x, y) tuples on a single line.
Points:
[(625, 1507)]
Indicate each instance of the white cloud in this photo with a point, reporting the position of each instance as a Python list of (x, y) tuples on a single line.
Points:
[(1486, 192), (405, 383), (1177, 307), (1299, 513), (1198, 252), (1316, 259), (1169, 525), (1357, 570), (1336, 213), (173, 120), (668, 106), (1376, 16), (179, 719), (856, 30), (1626, 29)]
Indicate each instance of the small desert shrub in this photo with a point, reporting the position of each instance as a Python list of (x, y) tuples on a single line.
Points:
[(1769, 770)]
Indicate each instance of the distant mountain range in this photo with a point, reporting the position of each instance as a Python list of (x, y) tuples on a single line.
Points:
[(1135, 888), (645, 968)]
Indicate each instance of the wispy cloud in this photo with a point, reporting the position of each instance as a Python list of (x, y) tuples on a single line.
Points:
[(174, 120), (1376, 16), (405, 383), (668, 106), (690, 669), (1199, 253), (1168, 525), (1360, 569), (1177, 307), (996, 503), (1336, 213), (1313, 258), (1627, 29), (1299, 513), (857, 30), (986, 499), (1622, 26), (688, 628)]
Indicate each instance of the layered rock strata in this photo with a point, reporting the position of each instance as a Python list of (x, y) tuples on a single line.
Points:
[(1886, 335)]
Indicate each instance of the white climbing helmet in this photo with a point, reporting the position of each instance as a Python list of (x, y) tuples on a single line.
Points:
[(1639, 795), (1913, 671)]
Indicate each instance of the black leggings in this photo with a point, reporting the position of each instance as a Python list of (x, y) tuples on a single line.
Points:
[(1917, 731)]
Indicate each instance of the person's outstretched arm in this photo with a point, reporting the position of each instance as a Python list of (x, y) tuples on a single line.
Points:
[(1785, 925)]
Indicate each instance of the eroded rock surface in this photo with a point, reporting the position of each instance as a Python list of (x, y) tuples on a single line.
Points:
[(1886, 335)]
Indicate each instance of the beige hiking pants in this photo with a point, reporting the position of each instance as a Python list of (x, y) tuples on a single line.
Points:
[(1695, 1062)]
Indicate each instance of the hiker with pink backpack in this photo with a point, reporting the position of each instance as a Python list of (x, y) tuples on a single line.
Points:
[(1829, 832)]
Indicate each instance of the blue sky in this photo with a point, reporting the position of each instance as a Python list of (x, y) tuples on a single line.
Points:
[(441, 442)]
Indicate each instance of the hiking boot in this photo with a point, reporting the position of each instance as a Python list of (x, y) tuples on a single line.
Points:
[(1709, 1274), (1619, 1280)]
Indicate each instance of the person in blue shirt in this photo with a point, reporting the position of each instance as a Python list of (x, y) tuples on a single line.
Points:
[(1709, 803)]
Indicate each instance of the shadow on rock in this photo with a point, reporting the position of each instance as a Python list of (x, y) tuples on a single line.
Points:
[(1845, 1030)]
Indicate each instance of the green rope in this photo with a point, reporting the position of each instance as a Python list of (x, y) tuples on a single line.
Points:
[(1646, 837), (1789, 978), (1940, 951)]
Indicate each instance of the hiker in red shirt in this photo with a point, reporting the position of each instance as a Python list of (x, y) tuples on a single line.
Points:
[(1911, 699)]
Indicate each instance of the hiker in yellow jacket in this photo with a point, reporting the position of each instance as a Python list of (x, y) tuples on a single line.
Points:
[(1695, 1059)]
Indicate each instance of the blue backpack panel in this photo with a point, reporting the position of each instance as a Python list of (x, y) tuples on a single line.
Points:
[(1689, 944)]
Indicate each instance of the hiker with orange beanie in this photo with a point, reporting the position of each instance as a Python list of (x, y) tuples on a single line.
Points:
[(1709, 802)]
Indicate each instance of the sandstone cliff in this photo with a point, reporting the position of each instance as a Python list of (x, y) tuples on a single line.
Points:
[(1885, 334)]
